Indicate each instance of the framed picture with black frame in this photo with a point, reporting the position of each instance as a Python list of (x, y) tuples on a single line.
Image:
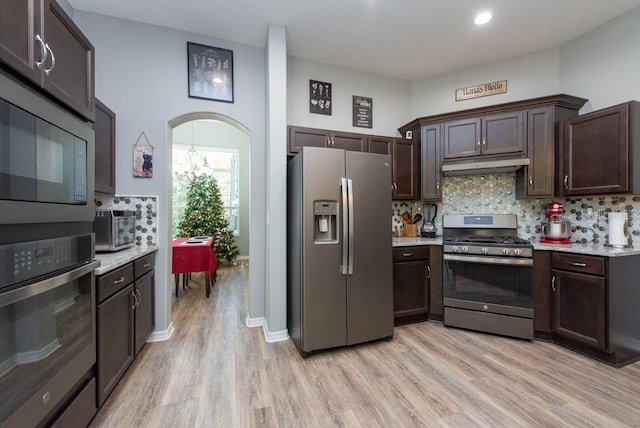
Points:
[(210, 72)]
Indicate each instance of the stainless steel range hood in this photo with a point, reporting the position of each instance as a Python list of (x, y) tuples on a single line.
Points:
[(487, 167)]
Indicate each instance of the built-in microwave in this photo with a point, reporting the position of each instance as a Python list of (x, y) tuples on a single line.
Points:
[(46, 159)]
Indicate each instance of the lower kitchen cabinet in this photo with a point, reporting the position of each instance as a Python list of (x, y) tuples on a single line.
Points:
[(411, 272), (593, 305), (125, 319)]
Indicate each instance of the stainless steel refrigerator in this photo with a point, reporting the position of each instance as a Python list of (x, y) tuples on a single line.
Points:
[(339, 267)]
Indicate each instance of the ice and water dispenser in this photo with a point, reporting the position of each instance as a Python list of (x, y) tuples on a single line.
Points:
[(325, 222)]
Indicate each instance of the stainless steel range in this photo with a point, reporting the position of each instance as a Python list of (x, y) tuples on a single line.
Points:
[(487, 275)]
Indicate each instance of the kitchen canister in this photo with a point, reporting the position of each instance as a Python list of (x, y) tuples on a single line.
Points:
[(617, 222)]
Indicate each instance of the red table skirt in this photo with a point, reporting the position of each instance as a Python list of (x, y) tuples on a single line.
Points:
[(188, 258)]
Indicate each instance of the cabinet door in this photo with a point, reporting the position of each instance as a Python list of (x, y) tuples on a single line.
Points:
[(20, 22), (382, 145), (430, 162), (405, 169), (462, 138), (145, 313), (115, 324), (595, 153), (348, 141), (105, 137), (503, 133), (69, 72), (539, 174), (579, 308), (299, 137), (410, 290)]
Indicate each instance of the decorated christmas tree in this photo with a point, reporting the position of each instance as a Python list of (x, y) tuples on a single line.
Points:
[(204, 215)]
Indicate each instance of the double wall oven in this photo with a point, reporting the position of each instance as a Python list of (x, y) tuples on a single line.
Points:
[(487, 275), (47, 279)]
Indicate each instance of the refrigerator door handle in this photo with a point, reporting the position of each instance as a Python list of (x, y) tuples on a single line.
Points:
[(351, 226), (345, 228)]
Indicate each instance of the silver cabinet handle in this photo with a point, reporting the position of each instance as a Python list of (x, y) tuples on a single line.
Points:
[(139, 297), (484, 143), (407, 254), (566, 181), (428, 272), (577, 264), (119, 281), (53, 60), (478, 143), (553, 283), (530, 181), (146, 265), (135, 300), (437, 185), (43, 49)]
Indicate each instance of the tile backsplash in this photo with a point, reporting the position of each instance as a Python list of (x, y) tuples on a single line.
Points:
[(495, 194), (146, 209)]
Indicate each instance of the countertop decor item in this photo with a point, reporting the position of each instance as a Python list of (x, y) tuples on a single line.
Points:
[(210, 72)]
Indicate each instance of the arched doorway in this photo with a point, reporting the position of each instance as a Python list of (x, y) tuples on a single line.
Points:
[(201, 132)]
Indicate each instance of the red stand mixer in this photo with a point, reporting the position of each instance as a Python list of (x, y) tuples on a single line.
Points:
[(557, 229)]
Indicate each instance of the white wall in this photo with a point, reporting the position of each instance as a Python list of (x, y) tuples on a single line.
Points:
[(141, 74), (391, 98), (604, 64), (528, 76)]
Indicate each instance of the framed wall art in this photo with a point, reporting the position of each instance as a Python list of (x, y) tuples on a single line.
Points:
[(319, 97), (210, 72), (362, 112)]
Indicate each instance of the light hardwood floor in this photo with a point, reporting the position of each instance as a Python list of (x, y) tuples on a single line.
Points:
[(215, 372)]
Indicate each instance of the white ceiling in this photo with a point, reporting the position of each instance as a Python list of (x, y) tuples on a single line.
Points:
[(406, 39)]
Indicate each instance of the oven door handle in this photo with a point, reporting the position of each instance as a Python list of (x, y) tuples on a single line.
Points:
[(489, 260), (40, 287)]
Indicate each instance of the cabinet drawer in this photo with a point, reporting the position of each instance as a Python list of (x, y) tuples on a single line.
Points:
[(110, 283), (144, 264), (578, 263), (401, 254)]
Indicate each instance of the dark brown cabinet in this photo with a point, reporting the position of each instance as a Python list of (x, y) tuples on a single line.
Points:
[(39, 41), (382, 145), (405, 171), (431, 162), (299, 137), (579, 299), (598, 150), (125, 319), (494, 134), (436, 302), (105, 138), (411, 274)]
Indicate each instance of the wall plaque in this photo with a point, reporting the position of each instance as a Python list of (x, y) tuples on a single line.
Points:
[(483, 90), (362, 112), (319, 97)]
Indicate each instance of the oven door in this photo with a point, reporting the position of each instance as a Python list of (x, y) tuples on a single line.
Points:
[(47, 343), (498, 285)]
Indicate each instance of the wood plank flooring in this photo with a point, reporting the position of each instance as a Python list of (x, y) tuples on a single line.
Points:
[(215, 372)]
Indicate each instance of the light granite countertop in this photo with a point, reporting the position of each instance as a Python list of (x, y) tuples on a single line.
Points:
[(111, 261), (588, 249)]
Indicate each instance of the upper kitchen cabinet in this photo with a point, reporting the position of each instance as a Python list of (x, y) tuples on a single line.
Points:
[(493, 134), (105, 138), (39, 41), (299, 137), (431, 162), (598, 151), (382, 145), (405, 170)]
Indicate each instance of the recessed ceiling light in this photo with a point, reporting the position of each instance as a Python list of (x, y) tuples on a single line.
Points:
[(483, 18)]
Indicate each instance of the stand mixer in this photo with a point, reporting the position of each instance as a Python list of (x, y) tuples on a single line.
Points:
[(557, 229), (428, 228)]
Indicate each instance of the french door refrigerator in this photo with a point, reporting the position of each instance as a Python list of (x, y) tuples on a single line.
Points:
[(339, 268)]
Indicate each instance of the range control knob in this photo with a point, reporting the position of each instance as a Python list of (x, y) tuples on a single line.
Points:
[(517, 252), (454, 249), (484, 250), (465, 249), (506, 251)]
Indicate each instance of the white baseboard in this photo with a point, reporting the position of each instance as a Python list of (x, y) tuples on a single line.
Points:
[(160, 336), (269, 336)]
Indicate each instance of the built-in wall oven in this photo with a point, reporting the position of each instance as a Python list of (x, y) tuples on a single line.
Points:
[(487, 275), (47, 249)]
